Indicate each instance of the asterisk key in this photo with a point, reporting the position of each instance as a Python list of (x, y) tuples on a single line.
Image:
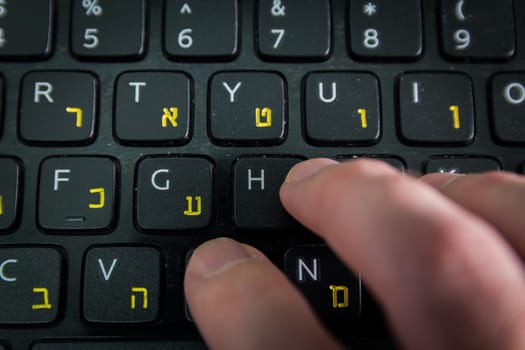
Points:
[(370, 9)]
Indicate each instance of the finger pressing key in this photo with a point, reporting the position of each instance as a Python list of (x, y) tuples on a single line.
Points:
[(446, 278), (240, 300)]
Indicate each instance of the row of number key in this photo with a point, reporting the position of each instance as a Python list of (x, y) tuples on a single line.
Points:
[(210, 30)]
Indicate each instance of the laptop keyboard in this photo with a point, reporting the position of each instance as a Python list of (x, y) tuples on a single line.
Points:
[(132, 131)]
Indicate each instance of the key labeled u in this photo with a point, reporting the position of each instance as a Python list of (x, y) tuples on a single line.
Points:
[(332, 93)]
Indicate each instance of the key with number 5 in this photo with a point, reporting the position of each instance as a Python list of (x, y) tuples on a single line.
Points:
[(103, 29)]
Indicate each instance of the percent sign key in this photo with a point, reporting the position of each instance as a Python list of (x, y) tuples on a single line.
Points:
[(92, 7)]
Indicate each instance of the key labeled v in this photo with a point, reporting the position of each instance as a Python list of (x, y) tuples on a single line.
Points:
[(105, 272)]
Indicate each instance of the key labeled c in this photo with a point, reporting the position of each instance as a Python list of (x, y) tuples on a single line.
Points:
[(3, 275)]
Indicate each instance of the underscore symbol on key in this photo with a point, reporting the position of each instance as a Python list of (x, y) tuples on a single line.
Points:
[(92, 7), (278, 9), (370, 9)]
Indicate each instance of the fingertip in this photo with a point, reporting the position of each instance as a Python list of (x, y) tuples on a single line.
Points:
[(308, 168), (218, 255)]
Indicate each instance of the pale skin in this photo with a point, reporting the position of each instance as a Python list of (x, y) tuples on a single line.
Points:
[(443, 254)]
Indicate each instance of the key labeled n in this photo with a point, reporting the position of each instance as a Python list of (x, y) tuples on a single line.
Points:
[(107, 268)]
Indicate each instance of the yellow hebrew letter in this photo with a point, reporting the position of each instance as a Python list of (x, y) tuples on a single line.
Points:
[(362, 113), (1, 205), (170, 115), (78, 113), (45, 297), (102, 199), (144, 292), (265, 113), (193, 211), (455, 116), (335, 299)]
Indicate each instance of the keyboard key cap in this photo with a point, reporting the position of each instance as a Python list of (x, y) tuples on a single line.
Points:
[(58, 107), (247, 107), (153, 107), (331, 289), (174, 193), (481, 29), (201, 29), (257, 182), (508, 107), (377, 26), (26, 29), (77, 194), (122, 284), (10, 179), (112, 344), (30, 281), (335, 114), (104, 29), (436, 108), (461, 165), (297, 29)]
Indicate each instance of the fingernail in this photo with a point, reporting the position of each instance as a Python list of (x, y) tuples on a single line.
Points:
[(307, 169), (217, 256)]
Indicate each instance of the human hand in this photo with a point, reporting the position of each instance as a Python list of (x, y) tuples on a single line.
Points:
[(443, 254)]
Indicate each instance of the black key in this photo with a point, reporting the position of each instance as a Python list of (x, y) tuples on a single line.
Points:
[(103, 29), (256, 193), (26, 28), (112, 344), (523, 168), (122, 285), (153, 107), (58, 107), (201, 29), (174, 193), (332, 290), (29, 285), (436, 108), (508, 107), (247, 107), (461, 165), (77, 193), (478, 29), (10, 174), (298, 29), (385, 28), (336, 114)]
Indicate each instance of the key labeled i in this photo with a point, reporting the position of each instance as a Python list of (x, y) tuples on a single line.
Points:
[(436, 108)]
